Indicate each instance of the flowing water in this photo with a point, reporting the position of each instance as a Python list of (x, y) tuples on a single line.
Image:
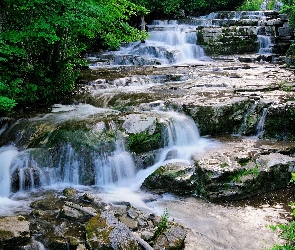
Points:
[(115, 175), (260, 125), (264, 44), (169, 43)]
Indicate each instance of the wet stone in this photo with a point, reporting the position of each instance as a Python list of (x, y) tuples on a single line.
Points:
[(13, 231)]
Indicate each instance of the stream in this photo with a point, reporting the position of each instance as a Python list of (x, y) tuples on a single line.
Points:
[(84, 144)]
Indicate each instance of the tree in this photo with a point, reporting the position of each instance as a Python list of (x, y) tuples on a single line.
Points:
[(289, 9), (176, 8), (41, 43)]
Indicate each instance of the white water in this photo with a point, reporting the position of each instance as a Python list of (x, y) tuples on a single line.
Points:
[(7, 154), (260, 125), (180, 40), (169, 43), (264, 44), (249, 112), (114, 168), (183, 140)]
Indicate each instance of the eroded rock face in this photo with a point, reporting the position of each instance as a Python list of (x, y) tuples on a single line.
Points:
[(237, 169), (13, 231), (238, 32), (176, 178)]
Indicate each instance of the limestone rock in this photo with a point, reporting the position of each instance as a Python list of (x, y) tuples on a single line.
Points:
[(173, 238), (13, 230), (174, 177), (70, 192), (104, 231)]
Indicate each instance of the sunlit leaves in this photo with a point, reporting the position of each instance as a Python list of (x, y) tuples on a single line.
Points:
[(41, 42)]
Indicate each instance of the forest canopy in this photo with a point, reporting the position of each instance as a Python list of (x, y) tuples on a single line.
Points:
[(178, 8), (41, 42)]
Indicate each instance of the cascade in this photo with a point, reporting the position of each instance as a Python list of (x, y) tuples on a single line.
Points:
[(114, 168), (243, 125), (7, 155), (264, 44), (182, 141), (71, 168), (32, 168), (169, 43), (260, 125)]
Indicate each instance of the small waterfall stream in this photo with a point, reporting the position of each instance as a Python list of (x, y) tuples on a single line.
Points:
[(264, 44), (7, 154), (24, 170), (260, 125), (169, 43)]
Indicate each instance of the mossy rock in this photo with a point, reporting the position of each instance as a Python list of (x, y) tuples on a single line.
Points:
[(145, 141), (241, 183), (279, 123), (175, 178), (105, 232), (211, 119), (171, 239)]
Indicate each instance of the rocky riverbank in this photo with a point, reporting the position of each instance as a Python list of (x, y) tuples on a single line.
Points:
[(72, 220)]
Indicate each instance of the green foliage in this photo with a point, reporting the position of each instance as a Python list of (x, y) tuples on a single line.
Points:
[(144, 141), (289, 9), (244, 161), (6, 104), (223, 165), (176, 8), (41, 42), (163, 224), (250, 5), (255, 5)]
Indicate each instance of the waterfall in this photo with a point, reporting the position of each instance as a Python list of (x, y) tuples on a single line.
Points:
[(7, 154), (24, 172), (243, 125), (264, 44), (260, 125), (179, 41), (115, 167), (169, 43), (182, 141)]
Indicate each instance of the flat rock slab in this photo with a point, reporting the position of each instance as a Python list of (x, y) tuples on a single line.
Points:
[(13, 230), (237, 168)]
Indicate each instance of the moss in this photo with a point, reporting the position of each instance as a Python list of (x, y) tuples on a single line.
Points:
[(244, 161), (223, 165), (94, 224), (5, 235), (69, 192), (98, 233), (236, 176), (144, 141), (280, 123)]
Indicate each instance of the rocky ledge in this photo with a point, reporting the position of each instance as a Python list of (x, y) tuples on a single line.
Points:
[(238, 168)]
